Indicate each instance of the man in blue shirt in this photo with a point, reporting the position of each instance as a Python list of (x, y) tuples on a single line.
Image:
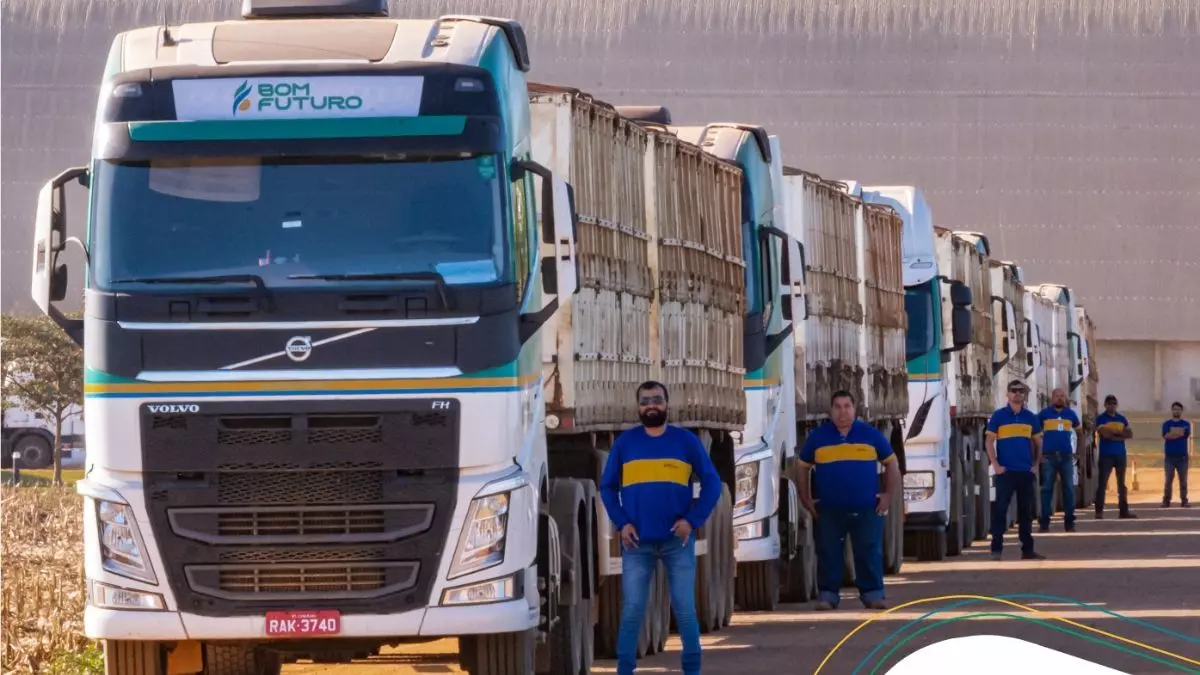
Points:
[(647, 490), (844, 454), (1060, 434), (1175, 433), (1014, 447), (1113, 429)]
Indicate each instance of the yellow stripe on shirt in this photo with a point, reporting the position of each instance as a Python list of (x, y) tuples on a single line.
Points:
[(842, 452), (1015, 430), (639, 471)]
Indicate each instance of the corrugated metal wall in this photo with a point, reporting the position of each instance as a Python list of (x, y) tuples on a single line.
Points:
[(1079, 155)]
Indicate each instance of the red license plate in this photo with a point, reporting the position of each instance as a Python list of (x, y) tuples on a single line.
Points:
[(293, 624)]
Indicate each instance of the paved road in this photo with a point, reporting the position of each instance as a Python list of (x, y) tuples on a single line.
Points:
[(1146, 569)]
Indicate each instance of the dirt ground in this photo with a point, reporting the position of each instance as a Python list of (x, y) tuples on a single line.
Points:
[(1147, 570)]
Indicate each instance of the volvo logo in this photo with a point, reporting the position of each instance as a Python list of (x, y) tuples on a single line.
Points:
[(299, 348), (190, 408)]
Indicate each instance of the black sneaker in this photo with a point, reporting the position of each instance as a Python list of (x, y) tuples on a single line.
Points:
[(996, 555), (1032, 556), (1099, 515), (1069, 528), (823, 606), (1186, 505), (1043, 528), (1128, 516), (1166, 503)]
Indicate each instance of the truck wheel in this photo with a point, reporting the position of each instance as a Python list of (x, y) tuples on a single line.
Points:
[(893, 536), (499, 654), (239, 660), (608, 625), (931, 545), (130, 657), (758, 586), (706, 597), (36, 452), (983, 500), (957, 496), (728, 558), (566, 636)]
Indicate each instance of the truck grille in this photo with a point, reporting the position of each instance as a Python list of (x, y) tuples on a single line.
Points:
[(333, 504), (302, 581)]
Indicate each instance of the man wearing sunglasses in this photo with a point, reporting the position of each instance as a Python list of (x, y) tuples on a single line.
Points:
[(647, 490), (1014, 447)]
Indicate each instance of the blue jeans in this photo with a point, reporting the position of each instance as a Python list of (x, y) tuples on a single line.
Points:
[(865, 529), (1058, 465), (1171, 466), (1010, 484), (637, 570)]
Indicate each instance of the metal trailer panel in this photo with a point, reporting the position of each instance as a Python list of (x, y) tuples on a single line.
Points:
[(1089, 402), (657, 216), (1043, 327), (600, 346), (695, 217), (1009, 358), (969, 369), (1054, 331), (881, 266), (823, 218)]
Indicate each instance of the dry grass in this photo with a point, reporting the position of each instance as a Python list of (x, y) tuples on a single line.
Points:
[(41, 532)]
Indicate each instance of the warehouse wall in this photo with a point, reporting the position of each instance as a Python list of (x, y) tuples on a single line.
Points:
[(1149, 376)]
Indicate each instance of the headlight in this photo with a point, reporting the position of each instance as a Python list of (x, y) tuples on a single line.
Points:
[(745, 476), (747, 489), (481, 544), (121, 549), (918, 486), (756, 530)]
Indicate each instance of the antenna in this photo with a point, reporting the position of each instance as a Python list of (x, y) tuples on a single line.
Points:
[(168, 40)]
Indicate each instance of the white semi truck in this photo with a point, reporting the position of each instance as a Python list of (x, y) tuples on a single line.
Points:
[(365, 310)]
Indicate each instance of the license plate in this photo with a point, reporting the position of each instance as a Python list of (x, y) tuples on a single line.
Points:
[(291, 624)]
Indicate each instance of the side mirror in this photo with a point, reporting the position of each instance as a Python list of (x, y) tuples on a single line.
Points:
[(961, 321), (48, 284), (784, 282), (1030, 348), (559, 263), (960, 294)]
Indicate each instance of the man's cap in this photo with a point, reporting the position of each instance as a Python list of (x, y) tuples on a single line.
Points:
[(1017, 384)]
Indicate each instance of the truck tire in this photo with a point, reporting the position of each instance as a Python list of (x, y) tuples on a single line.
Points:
[(931, 545), (239, 660), (757, 588), (498, 654), (134, 657), (608, 625), (893, 536), (983, 500), (707, 613), (36, 452), (567, 507), (958, 487), (801, 577), (729, 560)]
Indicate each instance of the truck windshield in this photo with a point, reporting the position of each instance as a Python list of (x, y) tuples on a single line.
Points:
[(918, 304), (292, 220)]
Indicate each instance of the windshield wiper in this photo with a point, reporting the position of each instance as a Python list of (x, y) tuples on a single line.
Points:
[(263, 293), (435, 277)]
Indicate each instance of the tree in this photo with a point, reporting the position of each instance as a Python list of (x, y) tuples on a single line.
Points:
[(43, 368)]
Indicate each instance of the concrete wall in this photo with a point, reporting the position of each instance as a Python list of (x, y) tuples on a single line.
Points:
[(1149, 376)]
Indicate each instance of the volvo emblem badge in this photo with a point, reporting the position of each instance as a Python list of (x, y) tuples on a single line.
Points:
[(299, 348)]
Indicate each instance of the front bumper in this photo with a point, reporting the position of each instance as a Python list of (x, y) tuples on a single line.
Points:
[(500, 617)]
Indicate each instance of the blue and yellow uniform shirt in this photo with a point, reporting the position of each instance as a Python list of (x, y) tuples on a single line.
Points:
[(847, 470), (1014, 433), (1178, 446), (1058, 426), (1116, 423), (648, 482)]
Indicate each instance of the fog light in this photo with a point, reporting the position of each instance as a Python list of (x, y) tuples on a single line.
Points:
[(755, 530), (113, 597), (496, 590)]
